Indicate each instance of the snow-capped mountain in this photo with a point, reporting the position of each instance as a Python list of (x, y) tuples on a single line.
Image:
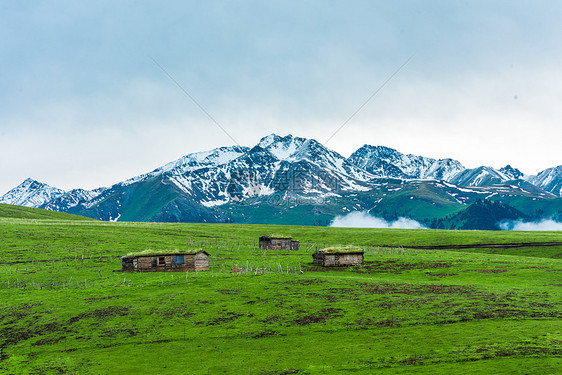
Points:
[(511, 173), (481, 176), (206, 159), (205, 186), (550, 180), (31, 193), (387, 162), (288, 165), (74, 198)]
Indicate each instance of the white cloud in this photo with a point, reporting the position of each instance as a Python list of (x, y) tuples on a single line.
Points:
[(520, 225), (361, 219)]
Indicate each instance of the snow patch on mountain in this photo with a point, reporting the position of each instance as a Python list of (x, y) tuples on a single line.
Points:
[(214, 203)]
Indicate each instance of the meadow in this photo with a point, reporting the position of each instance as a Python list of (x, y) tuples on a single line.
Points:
[(65, 306)]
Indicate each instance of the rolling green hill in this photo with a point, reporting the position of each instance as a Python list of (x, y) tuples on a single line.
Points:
[(18, 212), (485, 215)]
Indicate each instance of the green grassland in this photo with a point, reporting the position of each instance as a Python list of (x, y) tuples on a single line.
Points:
[(19, 212), (65, 307)]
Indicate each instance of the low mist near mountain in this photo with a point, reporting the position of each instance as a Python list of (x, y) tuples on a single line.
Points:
[(542, 225), (362, 219)]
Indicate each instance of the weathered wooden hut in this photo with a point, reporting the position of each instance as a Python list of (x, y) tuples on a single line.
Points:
[(278, 243), (146, 261), (338, 257)]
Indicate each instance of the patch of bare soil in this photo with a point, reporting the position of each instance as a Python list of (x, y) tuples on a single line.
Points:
[(14, 313), (13, 334), (272, 318), (103, 313), (318, 317), (225, 317), (125, 331), (366, 322), (265, 333), (46, 341)]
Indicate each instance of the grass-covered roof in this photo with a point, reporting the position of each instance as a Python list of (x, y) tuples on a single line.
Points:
[(152, 252), (277, 235), (342, 249)]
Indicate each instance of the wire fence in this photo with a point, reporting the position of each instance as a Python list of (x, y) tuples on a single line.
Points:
[(93, 270)]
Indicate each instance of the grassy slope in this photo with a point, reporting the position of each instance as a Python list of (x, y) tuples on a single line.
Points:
[(148, 199), (419, 202), (63, 309), (422, 201), (18, 212)]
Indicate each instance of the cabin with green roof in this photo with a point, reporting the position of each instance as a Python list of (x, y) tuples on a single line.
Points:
[(276, 242), (149, 260), (338, 257)]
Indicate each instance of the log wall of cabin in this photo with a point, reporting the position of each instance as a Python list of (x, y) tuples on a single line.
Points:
[(201, 262), (193, 262), (318, 259), (336, 260), (279, 244)]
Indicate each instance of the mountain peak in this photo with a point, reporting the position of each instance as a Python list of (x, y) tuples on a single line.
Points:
[(281, 147), (29, 180), (377, 151), (268, 140), (31, 193), (510, 172), (273, 138), (31, 183), (550, 180), (202, 159)]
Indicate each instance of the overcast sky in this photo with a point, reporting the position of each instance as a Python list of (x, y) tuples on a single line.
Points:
[(84, 103)]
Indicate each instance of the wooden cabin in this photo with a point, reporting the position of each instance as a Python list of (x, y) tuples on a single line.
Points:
[(197, 260), (338, 257), (278, 243)]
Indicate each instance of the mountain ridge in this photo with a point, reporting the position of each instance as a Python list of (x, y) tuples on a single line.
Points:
[(196, 186)]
